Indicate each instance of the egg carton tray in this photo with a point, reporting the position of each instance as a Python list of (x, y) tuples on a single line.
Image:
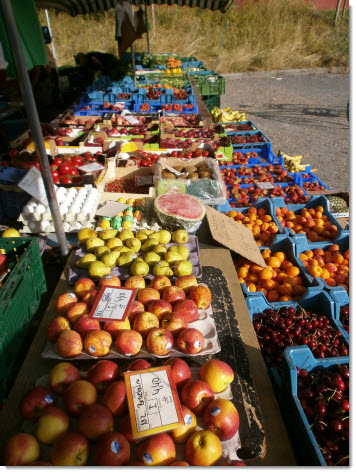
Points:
[(229, 447), (67, 217), (76, 273), (35, 227), (205, 324)]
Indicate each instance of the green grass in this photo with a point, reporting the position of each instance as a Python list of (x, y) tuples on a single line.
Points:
[(275, 34)]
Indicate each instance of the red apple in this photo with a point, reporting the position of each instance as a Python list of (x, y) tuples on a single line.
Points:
[(95, 420), (85, 324), (190, 341), (221, 417), (125, 429), (76, 311), (69, 344), (114, 327), (70, 449), (20, 450), (201, 295), (159, 283), (102, 374), (78, 395), (138, 364), (64, 302), (52, 423), (157, 450), (97, 343), (82, 286), (61, 376), (186, 282), (90, 297), (55, 327), (135, 281), (144, 322), (135, 310), (160, 308), (203, 448), (181, 372), (181, 434), (174, 322), (188, 309), (217, 374), (111, 449), (173, 294), (147, 295), (196, 395), (114, 398), (109, 280), (129, 342), (159, 341), (35, 401)]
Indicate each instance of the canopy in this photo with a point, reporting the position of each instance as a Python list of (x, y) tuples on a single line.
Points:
[(76, 7)]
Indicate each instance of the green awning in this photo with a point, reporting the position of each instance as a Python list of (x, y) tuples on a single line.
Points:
[(82, 7)]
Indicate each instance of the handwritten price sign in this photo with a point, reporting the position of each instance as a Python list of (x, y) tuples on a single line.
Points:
[(154, 406), (113, 303)]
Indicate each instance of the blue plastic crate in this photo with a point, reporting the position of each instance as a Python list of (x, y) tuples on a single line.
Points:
[(244, 146), (265, 156), (12, 198), (237, 124), (301, 244), (194, 110), (340, 298), (305, 442), (312, 177), (312, 203)]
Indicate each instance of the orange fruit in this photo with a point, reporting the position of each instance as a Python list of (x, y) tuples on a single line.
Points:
[(285, 289), (298, 290), (273, 295), (265, 274), (325, 274), (274, 262), (280, 255), (243, 272), (285, 264), (290, 280), (270, 284), (334, 247), (266, 253), (285, 298), (251, 287), (280, 277), (292, 271), (315, 271), (256, 268), (330, 282)]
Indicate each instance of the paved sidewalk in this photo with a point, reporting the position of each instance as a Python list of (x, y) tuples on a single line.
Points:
[(302, 114)]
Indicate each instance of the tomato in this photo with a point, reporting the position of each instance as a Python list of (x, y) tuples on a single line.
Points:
[(174, 154), (205, 153), (55, 174), (188, 155), (197, 153), (91, 159), (65, 169), (65, 180), (73, 172), (57, 161), (77, 160), (56, 180)]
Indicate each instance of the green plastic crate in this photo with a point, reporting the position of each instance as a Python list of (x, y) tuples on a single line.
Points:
[(212, 101), (210, 84), (20, 297)]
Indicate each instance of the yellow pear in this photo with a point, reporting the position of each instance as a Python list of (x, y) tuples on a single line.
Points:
[(114, 244), (139, 267), (108, 234), (125, 234), (151, 258), (99, 252), (141, 235), (172, 257), (92, 243), (85, 234), (124, 250), (86, 260), (181, 250), (110, 258), (180, 236), (149, 244), (98, 269), (126, 259), (133, 244), (184, 267), (160, 249), (162, 268), (163, 236)]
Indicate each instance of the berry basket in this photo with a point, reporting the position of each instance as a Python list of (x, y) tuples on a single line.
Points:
[(20, 297), (264, 143), (308, 177), (307, 448)]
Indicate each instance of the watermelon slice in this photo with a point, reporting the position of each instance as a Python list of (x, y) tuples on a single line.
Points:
[(177, 211)]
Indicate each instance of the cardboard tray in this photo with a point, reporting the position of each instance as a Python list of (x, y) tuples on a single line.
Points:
[(76, 273)]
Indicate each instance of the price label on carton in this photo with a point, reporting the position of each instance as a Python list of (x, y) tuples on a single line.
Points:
[(132, 120), (92, 168), (154, 406), (113, 303), (265, 186), (32, 183)]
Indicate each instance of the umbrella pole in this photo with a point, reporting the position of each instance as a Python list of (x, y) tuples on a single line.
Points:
[(50, 30), (33, 119), (133, 63), (147, 28)]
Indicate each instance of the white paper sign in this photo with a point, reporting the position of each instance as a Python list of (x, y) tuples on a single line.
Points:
[(91, 168), (265, 186), (338, 215), (113, 303), (32, 183), (132, 120)]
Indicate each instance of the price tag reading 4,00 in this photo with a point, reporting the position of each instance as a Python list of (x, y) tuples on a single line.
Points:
[(153, 402), (113, 303)]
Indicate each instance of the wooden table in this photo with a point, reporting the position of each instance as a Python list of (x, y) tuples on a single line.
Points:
[(278, 449)]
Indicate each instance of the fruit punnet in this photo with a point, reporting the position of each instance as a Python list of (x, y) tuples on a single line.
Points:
[(178, 210)]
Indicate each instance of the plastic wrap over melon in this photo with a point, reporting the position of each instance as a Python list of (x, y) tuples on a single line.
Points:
[(176, 210)]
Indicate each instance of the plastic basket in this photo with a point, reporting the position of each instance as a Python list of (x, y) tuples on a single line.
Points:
[(209, 83), (304, 440), (19, 299), (340, 298), (265, 156), (310, 179), (212, 101)]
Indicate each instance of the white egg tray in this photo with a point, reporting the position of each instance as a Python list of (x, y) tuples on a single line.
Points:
[(205, 324), (48, 227), (229, 447)]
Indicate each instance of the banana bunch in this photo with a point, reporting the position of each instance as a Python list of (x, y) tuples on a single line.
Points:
[(226, 115), (292, 163)]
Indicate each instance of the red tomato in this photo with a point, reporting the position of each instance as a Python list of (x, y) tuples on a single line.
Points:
[(205, 153), (174, 154), (56, 180), (73, 172), (57, 161), (77, 160), (65, 180), (65, 169), (55, 174)]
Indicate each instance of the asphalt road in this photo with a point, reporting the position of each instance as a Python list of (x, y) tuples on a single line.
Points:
[(302, 114)]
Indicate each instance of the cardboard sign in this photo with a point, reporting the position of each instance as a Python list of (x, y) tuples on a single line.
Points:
[(265, 186), (91, 168), (113, 303), (111, 209), (153, 402), (235, 236), (144, 180), (32, 183)]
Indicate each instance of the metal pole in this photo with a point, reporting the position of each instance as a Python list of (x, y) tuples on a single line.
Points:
[(337, 11), (133, 63), (50, 30), (147, 28), (153, 18), (33, 119), (343, 9)]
